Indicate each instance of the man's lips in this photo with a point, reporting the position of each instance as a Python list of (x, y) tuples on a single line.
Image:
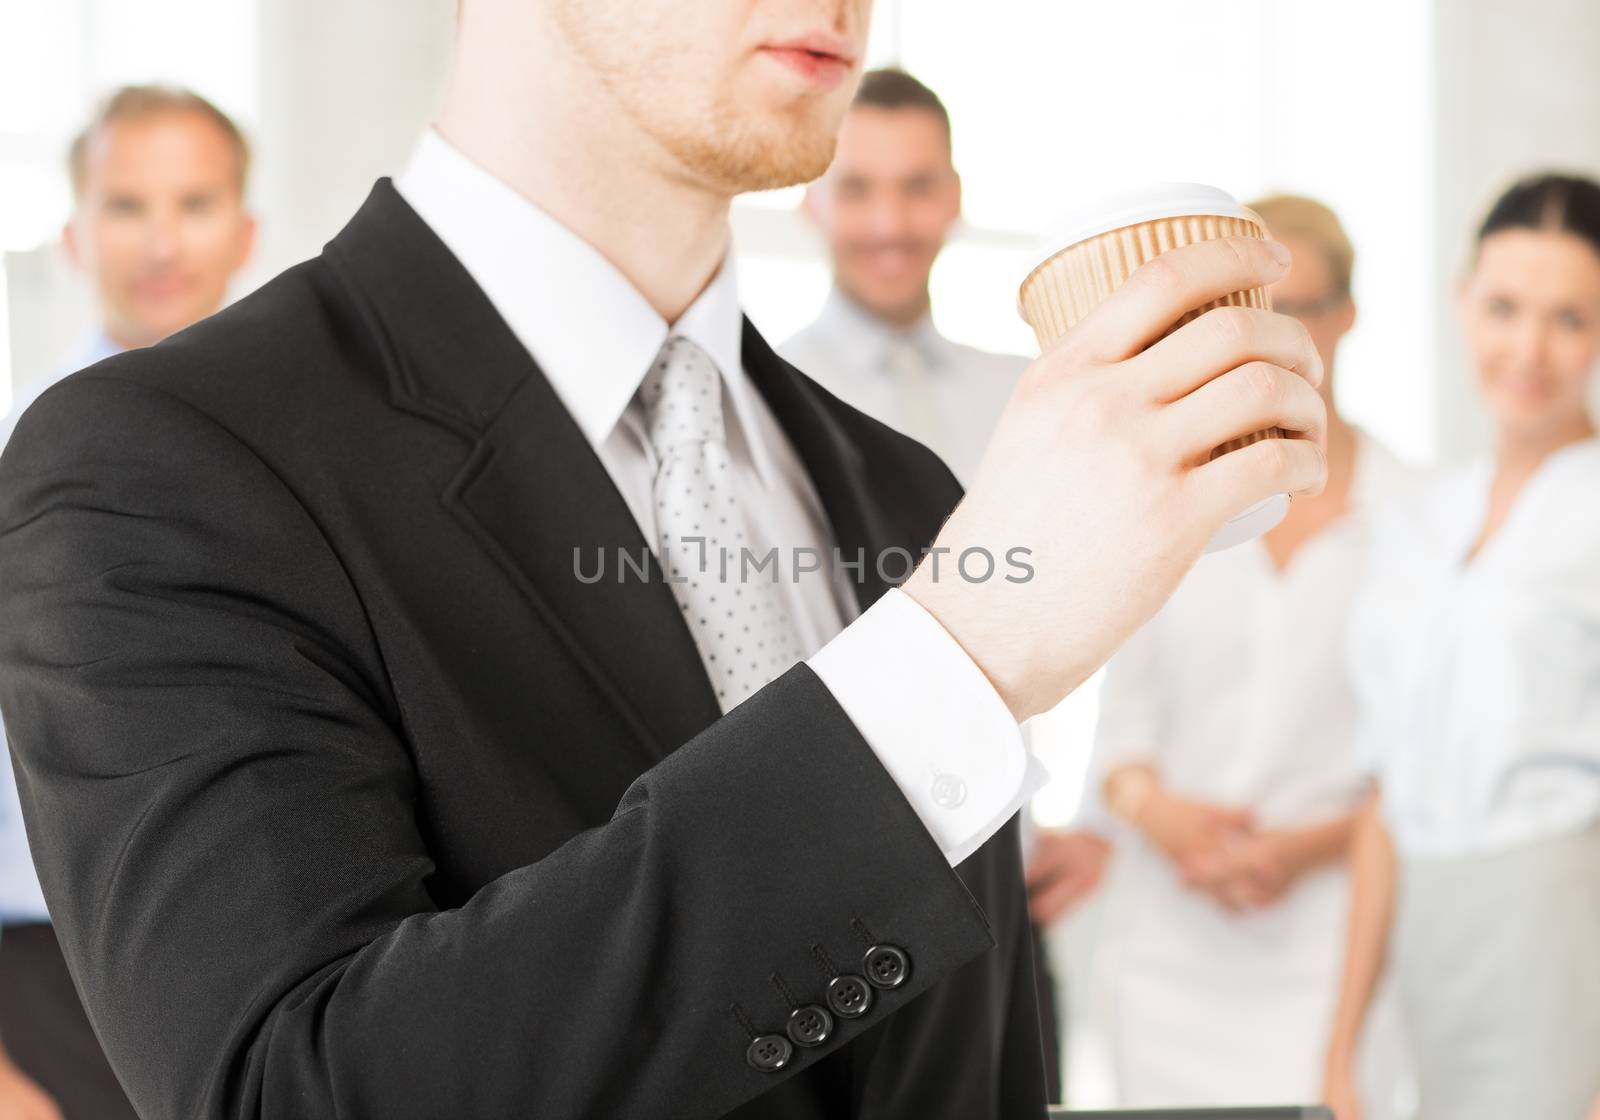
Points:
[(823, 60)]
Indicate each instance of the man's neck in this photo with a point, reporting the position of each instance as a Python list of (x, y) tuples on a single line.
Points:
[(900, 318), (599, 176)]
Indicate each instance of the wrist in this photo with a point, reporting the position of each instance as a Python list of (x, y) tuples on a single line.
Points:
[(1130, 791), (1001, 656), (1340, 1059), (1306, 849), (1300, 854)]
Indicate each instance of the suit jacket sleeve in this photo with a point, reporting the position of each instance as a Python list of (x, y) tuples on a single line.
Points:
[(221, 802)]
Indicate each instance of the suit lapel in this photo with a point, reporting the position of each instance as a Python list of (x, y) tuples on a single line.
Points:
[(537, 497), (534, 494), (862, 526)]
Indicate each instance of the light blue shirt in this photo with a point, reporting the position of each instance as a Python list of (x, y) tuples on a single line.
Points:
[(21, 901)]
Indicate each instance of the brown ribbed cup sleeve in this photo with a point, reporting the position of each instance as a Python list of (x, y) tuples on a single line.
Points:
[(1071, 283)]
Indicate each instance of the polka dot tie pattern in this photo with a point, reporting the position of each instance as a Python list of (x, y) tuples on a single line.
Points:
[(734, 611)]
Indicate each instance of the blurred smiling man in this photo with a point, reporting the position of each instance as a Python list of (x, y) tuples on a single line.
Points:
[(401, 728), (159, 224), (886, 205), (159, 228)]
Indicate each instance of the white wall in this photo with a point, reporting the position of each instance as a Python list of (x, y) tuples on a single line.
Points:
[(345, 89), (1517, 89)]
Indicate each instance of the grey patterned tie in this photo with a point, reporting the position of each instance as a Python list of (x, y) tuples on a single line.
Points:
[(734, 612)]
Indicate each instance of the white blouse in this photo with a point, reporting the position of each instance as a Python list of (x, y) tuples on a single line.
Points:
[(1236, 691), (1479, 680)]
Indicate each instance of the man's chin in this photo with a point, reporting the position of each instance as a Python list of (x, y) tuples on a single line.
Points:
[(776, 176), (770, 166), (760, 152)]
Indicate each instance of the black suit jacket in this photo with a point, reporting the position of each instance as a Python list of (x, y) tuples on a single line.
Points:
[(350, 800)]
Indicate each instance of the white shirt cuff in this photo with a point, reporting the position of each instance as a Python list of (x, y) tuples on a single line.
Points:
[(933, 719)]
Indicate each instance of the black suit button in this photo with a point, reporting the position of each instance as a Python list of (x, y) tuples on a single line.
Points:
[(810, 1025), (769, 1053), (886, 966), (849, 996)]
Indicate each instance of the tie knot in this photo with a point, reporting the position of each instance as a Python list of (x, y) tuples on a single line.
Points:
[(682, 397)]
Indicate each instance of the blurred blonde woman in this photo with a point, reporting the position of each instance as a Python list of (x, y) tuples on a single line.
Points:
[(1226, 758), (1476, 655)]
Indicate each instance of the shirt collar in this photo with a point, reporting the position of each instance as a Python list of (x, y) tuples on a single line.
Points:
[(592, 332), (861, 332)]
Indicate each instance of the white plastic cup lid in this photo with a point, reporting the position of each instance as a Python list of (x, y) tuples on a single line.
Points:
[(1126, 208)]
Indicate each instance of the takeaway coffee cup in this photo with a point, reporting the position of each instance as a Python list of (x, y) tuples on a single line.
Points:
[(1095, 249)]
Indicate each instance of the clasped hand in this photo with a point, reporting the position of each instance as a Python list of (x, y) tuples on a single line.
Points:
[(1220, 851)]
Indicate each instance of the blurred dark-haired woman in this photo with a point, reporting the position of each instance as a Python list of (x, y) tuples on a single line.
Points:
[(1475, 654)]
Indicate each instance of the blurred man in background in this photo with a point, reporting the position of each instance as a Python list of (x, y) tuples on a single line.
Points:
[(158, 224), (159, 228), (886, 205)]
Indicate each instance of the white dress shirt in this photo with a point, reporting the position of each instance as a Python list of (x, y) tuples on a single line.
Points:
[(853, 354), (1236, 690), (1236, 693), (1480, 679), (924, 708)]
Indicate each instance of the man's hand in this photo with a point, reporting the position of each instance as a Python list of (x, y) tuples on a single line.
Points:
[(21, 1098), (1101, 469), (1065, 868)]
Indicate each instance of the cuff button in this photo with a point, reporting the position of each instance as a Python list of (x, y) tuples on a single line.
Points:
[(849, 996), (810, 1025), (886, 966), (949, 791), (769, 1053)]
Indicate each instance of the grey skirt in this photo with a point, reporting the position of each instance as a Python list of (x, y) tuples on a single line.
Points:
[(1498, 962)]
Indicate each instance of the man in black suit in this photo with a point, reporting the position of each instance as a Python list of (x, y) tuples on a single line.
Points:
[(385, 719)]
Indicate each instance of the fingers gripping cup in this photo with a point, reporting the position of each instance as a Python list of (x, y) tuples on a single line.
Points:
[(1099, 247)]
